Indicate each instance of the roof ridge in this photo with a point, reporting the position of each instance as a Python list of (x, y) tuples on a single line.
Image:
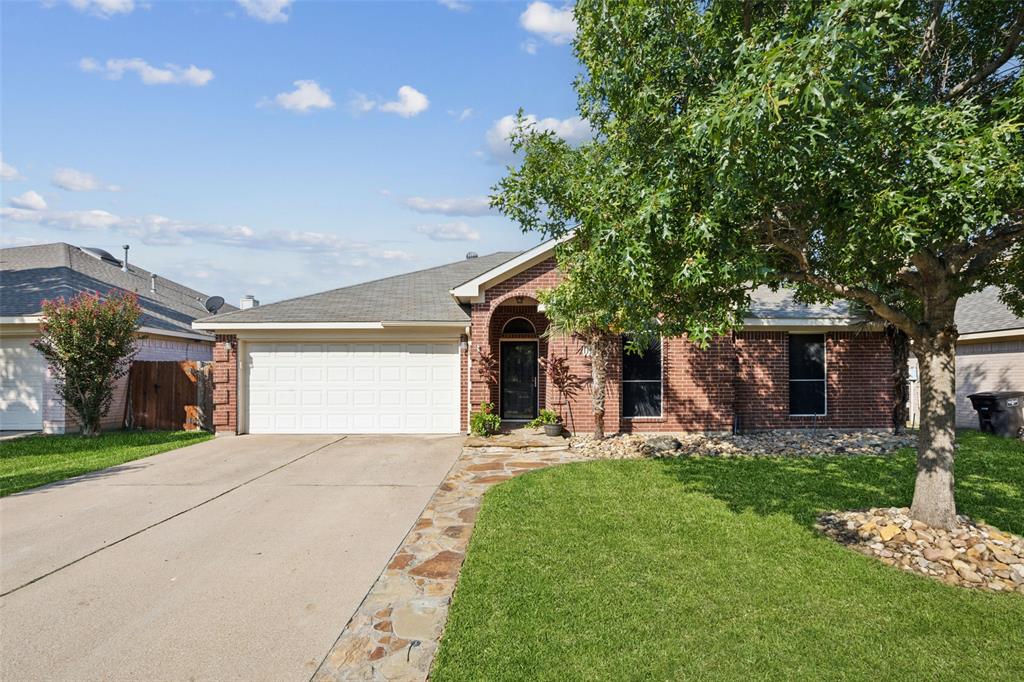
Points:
[(368, 282)]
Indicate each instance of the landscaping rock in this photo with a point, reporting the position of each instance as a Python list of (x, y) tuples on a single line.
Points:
[(804, 443), (972, 555)]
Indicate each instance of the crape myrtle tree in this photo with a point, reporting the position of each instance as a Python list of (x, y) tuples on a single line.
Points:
[(868, 150), (89, 343)]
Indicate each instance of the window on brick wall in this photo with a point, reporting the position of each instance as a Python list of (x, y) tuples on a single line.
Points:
[(806, 375), (641, 381)]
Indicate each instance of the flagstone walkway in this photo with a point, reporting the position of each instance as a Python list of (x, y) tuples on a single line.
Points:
[(395, 633)]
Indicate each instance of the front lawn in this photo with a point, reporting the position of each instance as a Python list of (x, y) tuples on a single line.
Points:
[(36, 460), (710, 568)]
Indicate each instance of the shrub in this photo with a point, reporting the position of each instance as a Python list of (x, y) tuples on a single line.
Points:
[(485, 422), (89, 343)]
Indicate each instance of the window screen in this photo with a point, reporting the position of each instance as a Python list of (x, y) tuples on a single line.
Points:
[(641, 381), (807, 374)]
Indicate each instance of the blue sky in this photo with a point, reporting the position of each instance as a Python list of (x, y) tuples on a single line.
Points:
[(272, 147)]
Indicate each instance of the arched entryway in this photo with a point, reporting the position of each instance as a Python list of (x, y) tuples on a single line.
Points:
[(516, 335)]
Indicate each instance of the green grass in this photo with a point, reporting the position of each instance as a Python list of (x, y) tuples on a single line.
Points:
[(711, 569), (36, 460)]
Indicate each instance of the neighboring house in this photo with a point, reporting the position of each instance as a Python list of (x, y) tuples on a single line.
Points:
[(401, 355), (989, 354), (31, 274)]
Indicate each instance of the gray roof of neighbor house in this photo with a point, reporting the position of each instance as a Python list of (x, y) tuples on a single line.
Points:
[(768, 304), (421, 296), (31, 274), (982, 311)]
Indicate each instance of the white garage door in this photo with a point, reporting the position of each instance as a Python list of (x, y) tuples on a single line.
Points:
[(353, 388), (22, 369)]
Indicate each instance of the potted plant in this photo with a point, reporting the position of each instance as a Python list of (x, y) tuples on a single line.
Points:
[(551, 422), (485, 422)]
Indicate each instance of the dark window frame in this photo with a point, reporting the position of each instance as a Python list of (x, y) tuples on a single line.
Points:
[(823, 380), (512, 332), (660, 381)]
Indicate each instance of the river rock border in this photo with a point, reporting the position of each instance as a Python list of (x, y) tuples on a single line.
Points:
[(395, 632), (973, 555)]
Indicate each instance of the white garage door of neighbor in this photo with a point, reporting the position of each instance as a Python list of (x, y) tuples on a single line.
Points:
[(353, 388), (22, 369)]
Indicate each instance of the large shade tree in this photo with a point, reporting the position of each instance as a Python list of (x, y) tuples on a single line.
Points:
[(868, 150)]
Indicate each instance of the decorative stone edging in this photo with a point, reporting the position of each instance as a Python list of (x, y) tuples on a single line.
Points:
[(395, 632), (972, 555)]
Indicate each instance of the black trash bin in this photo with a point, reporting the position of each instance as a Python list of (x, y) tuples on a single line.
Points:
[(1001, 412)]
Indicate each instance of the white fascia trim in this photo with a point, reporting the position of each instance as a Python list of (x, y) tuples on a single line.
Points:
[(180, 335), (808, 322), (473, 288), (220, 326), (21, 319), (982, 336)]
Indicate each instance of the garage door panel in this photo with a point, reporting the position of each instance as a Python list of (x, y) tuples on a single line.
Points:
[(22, 371), (354, 388)]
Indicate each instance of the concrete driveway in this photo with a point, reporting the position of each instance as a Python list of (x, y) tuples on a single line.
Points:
[(238, 558)]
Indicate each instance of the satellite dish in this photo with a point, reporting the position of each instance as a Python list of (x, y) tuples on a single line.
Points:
[(214, 303)]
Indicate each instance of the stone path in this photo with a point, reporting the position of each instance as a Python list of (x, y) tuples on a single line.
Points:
[(395, 633)]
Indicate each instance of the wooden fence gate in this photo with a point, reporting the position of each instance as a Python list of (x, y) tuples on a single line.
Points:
[(170, 395)]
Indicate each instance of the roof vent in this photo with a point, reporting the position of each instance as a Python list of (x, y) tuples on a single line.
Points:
[(124, 263), (248, 301), (471, 254), (100, 254)]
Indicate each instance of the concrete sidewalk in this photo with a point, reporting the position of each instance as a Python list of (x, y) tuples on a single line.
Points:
[(238, 558)]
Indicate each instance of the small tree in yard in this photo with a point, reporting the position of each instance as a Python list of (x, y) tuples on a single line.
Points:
[(89, 343), (568, 385), (869, 150)]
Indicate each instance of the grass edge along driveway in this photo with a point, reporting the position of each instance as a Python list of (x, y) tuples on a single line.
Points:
[(37, 460), (710, 569)]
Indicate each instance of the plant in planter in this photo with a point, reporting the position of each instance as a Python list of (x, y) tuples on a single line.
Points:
[(549, 420), (485, 422)]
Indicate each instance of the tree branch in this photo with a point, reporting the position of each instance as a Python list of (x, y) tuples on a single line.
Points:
[(1012, 41)]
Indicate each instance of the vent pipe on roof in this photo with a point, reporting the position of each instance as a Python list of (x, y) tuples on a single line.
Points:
[(124, 263), (248, 301), (152, 283), (471, 254)]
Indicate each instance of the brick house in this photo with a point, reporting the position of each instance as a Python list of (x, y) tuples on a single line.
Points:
[(31, 274), (397, 356)]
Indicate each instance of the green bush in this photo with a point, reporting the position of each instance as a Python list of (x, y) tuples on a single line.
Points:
[(545, 416), (485, 422)]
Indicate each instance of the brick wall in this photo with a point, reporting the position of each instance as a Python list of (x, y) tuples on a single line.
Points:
[(225, 384)]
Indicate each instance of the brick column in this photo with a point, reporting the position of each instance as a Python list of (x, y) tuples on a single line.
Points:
[(225, 384)]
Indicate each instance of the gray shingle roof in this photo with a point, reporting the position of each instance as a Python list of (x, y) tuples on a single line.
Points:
[(982, 311), (420, 296), (768, 304), (31, 274)]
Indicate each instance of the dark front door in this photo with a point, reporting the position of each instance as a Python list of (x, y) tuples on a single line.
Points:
[(518, 379)]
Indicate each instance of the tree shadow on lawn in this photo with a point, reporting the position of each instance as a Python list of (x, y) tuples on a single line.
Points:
[(989, 483)]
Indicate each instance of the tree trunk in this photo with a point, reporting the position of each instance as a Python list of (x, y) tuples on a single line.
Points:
[(933, 502), (599, 372)]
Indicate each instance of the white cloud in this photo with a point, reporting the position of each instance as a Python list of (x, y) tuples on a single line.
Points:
[(460, 116), (306, 96), (529, 46), (573, 130), (467, 206), (160, 230), (455, 5), (103, 8), (410, 102), (557, 26), (170, 74), (269, 11), (449, 232), (30, 200), (9, 172), (79, 181)]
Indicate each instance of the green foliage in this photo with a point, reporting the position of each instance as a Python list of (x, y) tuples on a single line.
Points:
[(89, 343), (711, 569), (37, 460), (545, 416), (485, 422)]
